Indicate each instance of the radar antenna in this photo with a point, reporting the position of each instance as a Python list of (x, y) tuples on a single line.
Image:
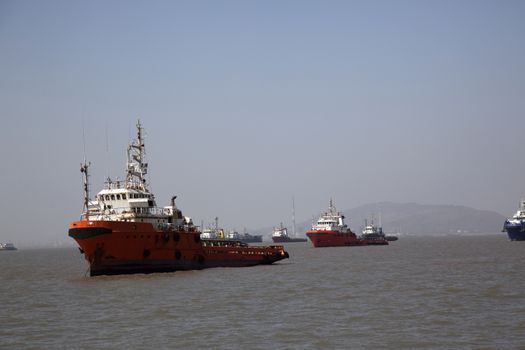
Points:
[(137, 168), (293, 217), (84, 167)]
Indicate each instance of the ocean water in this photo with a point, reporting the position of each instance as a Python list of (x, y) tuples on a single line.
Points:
[(417, 293)]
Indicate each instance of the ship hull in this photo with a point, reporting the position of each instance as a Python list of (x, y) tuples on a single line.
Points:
[(155, 266), (374, 239), (113, 247), (254, 239), (288, 240), (334, 239), (515, 230)]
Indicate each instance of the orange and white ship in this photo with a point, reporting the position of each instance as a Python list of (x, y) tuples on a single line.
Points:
[(122, 230), (331, 231)]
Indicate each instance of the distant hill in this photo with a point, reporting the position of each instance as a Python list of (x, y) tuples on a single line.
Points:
[(412, 218), (418, 219)]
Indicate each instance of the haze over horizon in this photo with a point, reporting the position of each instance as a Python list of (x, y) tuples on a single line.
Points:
[(248, 103)]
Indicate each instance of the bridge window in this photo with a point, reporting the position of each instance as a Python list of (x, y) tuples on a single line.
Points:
[(118, 196), (112, 197), (124, 196)]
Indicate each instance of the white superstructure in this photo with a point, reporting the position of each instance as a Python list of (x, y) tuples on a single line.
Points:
[(233, 235), (7, 246), (214, 232), (331, 220), (131, 199), (280, 232), (520, 214), (372, 229)]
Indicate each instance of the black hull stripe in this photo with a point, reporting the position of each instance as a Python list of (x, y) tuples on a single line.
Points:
[(88, 232), (171, 266)]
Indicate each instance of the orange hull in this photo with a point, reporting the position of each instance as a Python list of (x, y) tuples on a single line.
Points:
[(334, 239), (119, 247)]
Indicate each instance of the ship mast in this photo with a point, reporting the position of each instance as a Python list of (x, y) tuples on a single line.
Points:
[(84, 170), (331, 207), (136, 167), (293, 217)]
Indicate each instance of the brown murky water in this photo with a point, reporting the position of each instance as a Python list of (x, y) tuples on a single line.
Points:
[(417, 293)]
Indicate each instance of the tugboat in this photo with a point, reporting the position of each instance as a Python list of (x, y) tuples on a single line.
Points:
[(280, 235), (7, 246), (331, 231), (373, 234), (122, 231), (515, 226)]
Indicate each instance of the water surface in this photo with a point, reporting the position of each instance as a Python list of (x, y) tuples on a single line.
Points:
[(417, 293)]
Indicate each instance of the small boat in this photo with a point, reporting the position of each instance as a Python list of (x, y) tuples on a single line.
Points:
[(373, 234), (280, 235), (7, 246), (515, 226)]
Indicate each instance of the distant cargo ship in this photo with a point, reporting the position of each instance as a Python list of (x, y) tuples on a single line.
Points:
[(243, 237), (123, 231), (515, 226), (7, 246), (218, 233)]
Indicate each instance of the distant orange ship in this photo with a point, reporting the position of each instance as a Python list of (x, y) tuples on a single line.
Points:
[(122, 231), (331, 231)]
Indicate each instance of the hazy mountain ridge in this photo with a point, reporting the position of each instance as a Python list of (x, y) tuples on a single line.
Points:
[(416, 219)]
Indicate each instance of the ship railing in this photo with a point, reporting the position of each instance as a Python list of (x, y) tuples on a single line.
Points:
[(150, 211)]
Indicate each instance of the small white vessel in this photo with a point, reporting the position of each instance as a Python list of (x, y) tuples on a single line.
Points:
[(7, 246)]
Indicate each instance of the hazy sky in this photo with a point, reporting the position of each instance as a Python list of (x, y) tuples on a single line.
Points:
[(246, 103)]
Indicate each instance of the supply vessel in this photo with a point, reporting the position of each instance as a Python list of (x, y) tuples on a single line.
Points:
[(122, 231), (515, 226), (330, 230)]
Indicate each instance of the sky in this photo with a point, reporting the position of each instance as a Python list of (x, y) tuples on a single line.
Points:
[(247, 104)]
